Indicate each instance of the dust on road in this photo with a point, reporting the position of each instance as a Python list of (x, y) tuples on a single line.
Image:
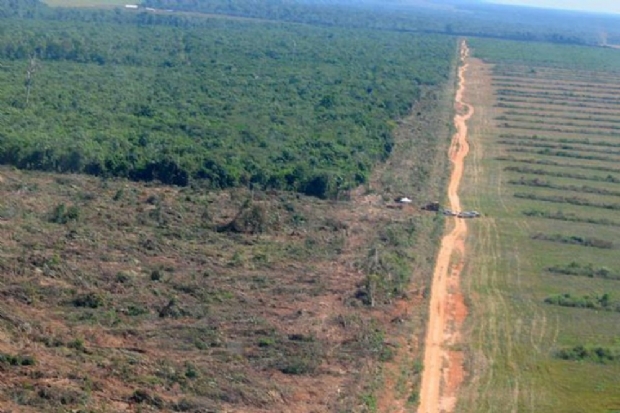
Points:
[(443, 363)]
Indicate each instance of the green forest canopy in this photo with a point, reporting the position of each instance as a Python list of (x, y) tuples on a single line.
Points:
[(229, 102)]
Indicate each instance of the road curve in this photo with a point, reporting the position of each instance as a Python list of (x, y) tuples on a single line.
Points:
[(443, 369)]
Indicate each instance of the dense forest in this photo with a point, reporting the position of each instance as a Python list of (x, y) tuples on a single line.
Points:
[(303, 96), (464, 18), (228, 103)]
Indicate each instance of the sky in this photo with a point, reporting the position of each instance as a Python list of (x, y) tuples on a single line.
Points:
[(605, 6)]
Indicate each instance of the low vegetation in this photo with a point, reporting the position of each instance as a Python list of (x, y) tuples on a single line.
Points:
[(585, 270), (571, 175), (584, 189), (548, 252), (574, 240), (592, 354), (569, 217), (572, 200), (593, 302)]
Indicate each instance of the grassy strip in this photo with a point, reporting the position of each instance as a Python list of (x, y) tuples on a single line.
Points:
[(584, 270), (537, 138), (601, 355), (543, 114), (608, 78), (556, 146), (542, 101), (561, 216), (534, 86), (548, 109), (608, 178), (567, 200), (574, 240), (550, 123), (596, 302), (564, 154), (574, 98), (540, 183)]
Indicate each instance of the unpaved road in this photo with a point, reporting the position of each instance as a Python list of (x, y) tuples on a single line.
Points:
[(443, 365)]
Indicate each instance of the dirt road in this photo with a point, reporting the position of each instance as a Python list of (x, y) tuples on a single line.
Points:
[(443, 364)]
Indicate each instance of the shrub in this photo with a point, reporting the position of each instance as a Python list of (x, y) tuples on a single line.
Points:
[(594, 354), (17, 360), (62, 215), (90, 300)]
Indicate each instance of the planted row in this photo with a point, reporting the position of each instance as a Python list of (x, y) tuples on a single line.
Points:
[(573, 200), (546, 121), (563, 154), (537, 138), (592, 354), (548, 109), (561, 96), (541, 101), (574, 240), (542, 113), (525, 169), (556, 129), (585, 270), (593, 302), (561, 216), (541, 183)]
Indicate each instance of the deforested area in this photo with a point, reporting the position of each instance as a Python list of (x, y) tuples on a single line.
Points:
[(199, 213), (308, 206)]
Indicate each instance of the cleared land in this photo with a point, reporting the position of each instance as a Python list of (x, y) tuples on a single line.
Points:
[(117, 294), (544, 330)]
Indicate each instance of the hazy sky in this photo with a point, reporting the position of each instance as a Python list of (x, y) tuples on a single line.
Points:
[(608, 6)]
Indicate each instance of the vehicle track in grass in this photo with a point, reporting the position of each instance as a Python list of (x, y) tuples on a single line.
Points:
[(443, 361)]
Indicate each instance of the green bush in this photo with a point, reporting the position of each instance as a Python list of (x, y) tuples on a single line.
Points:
[(62, 215)]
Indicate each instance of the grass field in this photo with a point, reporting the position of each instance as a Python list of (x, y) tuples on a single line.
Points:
[(541, 276)]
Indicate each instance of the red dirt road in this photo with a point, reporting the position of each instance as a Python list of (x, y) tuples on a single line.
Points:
[(443, 366)]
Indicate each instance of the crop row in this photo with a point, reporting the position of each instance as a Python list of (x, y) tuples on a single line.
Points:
[(543, 114), (555, 89), (563, 154), (606, 79), (545, 85), (597, 354), (537, 138), (561, 216), (572, 200), (549, 109), (529, 161), (549, 122), (594, 302), (541, 183), (555, 102), (543, 145), (559, 96), (585, 270), (574, 240)]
